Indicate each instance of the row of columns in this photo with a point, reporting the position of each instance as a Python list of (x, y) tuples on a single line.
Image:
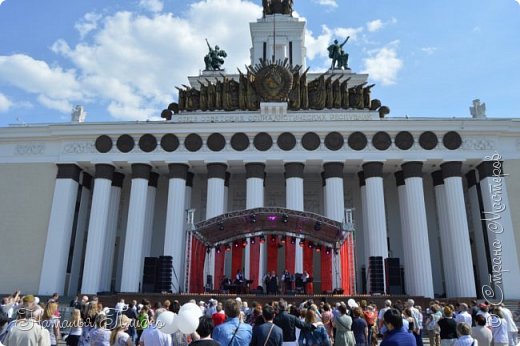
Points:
[(105, 200)]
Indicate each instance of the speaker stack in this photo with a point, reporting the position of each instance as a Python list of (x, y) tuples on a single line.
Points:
[(393, 276), (376, 276), (164, 274), (150, 274)]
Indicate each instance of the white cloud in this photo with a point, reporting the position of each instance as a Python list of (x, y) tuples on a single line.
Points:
[(61, 105), (88, 23), (5, 103), (374, 25), (383, 64), (429, 50), (317, 45), (1, 2), (378, 24), (151, 5), (328, 3), (518, 2)]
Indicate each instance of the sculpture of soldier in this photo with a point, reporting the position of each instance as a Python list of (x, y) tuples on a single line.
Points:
[(277, 7), (214, 59), (366, 96), (338, 56)]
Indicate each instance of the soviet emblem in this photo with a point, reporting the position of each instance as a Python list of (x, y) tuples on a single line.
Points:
[(273, 83)]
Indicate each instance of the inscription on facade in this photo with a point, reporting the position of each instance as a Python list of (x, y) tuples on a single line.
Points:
[(79, 148), (29, 149), (257, 117)]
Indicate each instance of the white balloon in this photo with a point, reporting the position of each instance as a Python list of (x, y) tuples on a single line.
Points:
[(352, 303), (188, 321), (191, 307), (167, 322)]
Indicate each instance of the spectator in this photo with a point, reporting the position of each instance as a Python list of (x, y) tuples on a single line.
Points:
[(318, 336), (464, 316), (465, 339), (204, 330), (51, 322), (448, 328), (326, 318), (499, 329), (480, 332), (511, 325), (27, 330), (233, 332), (76, 329), (152, 336), (142, 321), (118, 337), (289, 323), (267, 333), (131, 313), (359, 327), (396, 335), (432, 327), (219, 316), (100, 335)]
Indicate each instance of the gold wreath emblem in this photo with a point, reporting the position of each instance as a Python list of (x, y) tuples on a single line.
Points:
[(273, 83)]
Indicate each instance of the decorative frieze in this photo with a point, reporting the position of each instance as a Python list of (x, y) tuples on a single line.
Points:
[(29, 149)]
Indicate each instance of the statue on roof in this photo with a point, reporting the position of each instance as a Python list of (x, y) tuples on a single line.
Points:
[(278, 7), (215, 58), (338, 55)]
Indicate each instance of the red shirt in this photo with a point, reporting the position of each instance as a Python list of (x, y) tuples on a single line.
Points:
[(218, 318)]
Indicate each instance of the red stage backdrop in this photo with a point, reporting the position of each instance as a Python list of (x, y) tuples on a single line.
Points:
[(198, 256)]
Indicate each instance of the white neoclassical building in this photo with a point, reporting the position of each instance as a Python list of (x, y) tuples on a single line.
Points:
[(434, 201)]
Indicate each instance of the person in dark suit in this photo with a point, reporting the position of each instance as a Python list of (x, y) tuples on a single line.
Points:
[(267, 334), (289, 323)]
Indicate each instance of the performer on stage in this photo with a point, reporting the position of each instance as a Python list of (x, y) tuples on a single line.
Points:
[(225, 284), (305, 279), (287, 279), (240, 281), (271, 283)]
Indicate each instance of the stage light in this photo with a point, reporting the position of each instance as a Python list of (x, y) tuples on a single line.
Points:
[(310, 245), (285, 218), (244, 243), (262, 239), (228, 248), (252, 240), (302, 243), (235, 244), (283, 239), (293, 240), (208, 249), (336, 251), (219, 250), (252, 218), (220, 225), (327, 250), (273, 238), (271, 218), (318, 248), (317, 226)]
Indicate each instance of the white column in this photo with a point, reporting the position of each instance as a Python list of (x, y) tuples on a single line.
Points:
[(59, 232), (458, 230), (81, 231), (94, 259), (444, 232), (505, 268), (150, 211), (214, 207), (255, 199), (111, 232), (181, 274), (420, 267), (175, 238), (133, 259), (376, 218), (335, 207), (363, 194), (405, 229), (294, 201), (482, 253)]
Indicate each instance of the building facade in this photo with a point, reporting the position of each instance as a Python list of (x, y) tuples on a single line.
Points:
[(84, 203)]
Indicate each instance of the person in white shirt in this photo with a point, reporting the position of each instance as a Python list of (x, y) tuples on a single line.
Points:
[(511, 325), (120, 307), (482, 333), (152, 336), (464, 339), (388, 305), (499, 329), (463, 316)]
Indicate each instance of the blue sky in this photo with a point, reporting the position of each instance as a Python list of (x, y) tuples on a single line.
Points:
[(121, 59)]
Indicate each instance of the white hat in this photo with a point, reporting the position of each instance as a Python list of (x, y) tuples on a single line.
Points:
[(36, 300), (238, 299), (201, 303)]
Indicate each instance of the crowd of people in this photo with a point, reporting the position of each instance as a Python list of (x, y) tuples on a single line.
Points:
[(27, 321)]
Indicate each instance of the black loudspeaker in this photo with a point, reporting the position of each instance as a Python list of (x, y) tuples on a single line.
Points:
[(164, 274), (376, 276), (150, 274), (393, 276), (364, 280)]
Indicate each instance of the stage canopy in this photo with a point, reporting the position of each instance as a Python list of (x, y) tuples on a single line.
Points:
[(259, 222)]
